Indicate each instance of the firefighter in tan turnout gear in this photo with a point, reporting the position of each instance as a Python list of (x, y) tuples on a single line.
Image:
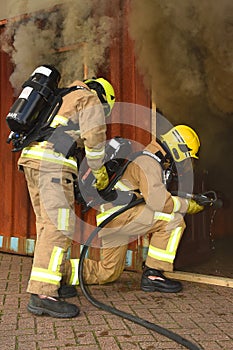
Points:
[(161, 216), (50, 167)]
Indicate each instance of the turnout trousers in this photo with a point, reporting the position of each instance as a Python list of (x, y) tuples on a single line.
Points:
[(52, 198), (165, 231)]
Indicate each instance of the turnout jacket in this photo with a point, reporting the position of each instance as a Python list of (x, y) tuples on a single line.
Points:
[(84, 109), (144, 175)]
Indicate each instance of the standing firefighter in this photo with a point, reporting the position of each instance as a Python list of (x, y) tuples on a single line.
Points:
[(161, 215), (50, 166)]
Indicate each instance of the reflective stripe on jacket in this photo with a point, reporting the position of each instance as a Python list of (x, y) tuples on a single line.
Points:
[(105, 214), (42, 151), (37, 151), (92, 153)]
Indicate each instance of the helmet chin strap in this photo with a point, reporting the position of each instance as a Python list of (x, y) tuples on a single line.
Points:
[(94, 91), (167, 163), (167, 158), (168, 166)]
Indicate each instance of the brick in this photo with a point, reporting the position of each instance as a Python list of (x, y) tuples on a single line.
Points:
[(108, 343), (85, 338), (27, 345)]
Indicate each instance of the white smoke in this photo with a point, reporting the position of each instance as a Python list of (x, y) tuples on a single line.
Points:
[(71, 35)]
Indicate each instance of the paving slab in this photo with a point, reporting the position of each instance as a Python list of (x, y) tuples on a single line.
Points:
[(201, 313)]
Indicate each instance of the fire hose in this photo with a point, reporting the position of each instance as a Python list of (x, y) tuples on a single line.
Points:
[(149, 325)]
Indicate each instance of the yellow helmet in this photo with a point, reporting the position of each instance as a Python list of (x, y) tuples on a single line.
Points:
[(182, 142), (104, 91)]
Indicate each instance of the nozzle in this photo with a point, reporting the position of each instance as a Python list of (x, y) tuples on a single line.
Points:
[(207, 199)]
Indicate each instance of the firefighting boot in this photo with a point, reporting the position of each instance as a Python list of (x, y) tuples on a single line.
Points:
[(51, 306), (153, 280), (66, 291)]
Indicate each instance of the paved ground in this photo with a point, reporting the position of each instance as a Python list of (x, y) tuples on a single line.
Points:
[(201, 313)]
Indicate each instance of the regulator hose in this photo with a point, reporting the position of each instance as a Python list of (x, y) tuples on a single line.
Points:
[(149, 325)]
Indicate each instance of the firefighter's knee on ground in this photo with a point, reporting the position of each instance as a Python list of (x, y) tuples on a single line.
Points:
[(110, 273)]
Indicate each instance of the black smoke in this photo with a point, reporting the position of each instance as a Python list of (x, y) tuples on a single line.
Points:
[(185, 51)]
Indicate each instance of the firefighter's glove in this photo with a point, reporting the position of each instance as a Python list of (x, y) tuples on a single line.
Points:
[(62, 142), (194, 207), (102, 179)]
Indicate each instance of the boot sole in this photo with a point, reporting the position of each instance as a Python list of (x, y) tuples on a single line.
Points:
[(162, 290), (41, 311)]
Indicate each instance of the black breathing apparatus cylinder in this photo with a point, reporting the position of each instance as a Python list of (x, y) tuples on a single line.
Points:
[(36, 104)]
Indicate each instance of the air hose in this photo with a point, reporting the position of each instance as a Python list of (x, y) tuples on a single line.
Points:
[(149, 325)]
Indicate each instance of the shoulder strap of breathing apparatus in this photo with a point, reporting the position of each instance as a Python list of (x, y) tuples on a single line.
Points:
[(41, 129), (116, 162), (30, 116)]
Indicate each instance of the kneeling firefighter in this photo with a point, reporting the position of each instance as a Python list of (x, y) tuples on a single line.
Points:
[(50, 166), (160, 215)]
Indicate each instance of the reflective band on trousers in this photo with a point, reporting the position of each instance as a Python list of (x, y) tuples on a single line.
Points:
[(63, 219), (51, 275), (163, 216), (48, 155), (102, 216), (94, 153), (169, 253), (105, 214), (157, 215), (74, 274)]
